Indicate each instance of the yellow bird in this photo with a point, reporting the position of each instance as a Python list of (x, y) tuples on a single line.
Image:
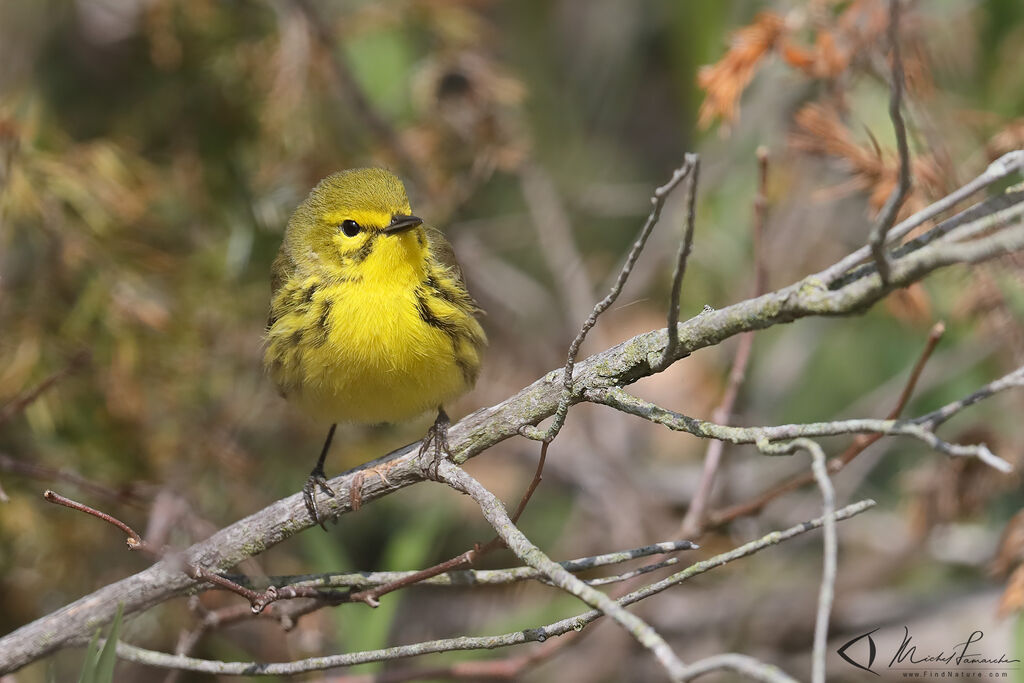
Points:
[(370, 319)]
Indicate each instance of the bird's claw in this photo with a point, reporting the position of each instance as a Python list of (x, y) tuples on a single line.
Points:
[(317, 479), (437, 436)]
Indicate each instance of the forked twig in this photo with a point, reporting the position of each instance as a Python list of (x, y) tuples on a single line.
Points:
[(921, 428), (529, 553), (693, 521), (892, 205), (258, 601), (371, 596), (836, 275), (860, 444), (658, 201), (539, 634), (685, 246), (17, 405)]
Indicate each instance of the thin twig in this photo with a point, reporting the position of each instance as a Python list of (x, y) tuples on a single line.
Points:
[(538, 476), (921, 428), (372, 596), (47, 473), (892, 205), (540, 634), (685, 246), (257, 600), (658, 201), (693, 521), (860, 444), (134, 541), (529, 553), (1006, 165), (469, 577), (16, 406), (826, 590), (742, 664)]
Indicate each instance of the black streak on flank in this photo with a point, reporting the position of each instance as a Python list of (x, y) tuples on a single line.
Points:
[(322, 322), (365, 250), (307, 296), (443, 293), (427, 316)]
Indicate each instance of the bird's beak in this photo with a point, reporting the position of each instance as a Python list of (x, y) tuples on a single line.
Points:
[(402, 223)]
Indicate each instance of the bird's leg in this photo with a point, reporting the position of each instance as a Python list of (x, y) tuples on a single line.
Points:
[(317, 478), (437, 436)]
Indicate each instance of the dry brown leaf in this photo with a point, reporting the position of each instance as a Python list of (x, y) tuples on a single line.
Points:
[(725, 81), (1013, 596), (1011, 546), (824, 60), (820, 130)]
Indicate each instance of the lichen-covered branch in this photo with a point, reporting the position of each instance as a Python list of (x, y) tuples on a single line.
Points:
[(471, 577), (920, 428), (526, 551), (539, 634)]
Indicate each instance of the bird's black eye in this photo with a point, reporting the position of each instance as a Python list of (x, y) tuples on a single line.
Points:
[(350, 228)]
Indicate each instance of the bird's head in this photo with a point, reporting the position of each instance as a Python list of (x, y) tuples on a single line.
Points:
[(352, 216)]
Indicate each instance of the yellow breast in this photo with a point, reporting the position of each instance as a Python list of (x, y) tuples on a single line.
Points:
[(382, 344)]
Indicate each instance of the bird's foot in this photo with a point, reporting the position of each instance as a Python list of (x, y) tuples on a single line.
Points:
[(436, 440), (317, 479)]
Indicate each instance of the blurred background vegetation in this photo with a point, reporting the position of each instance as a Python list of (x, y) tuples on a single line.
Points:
[(151, 152)]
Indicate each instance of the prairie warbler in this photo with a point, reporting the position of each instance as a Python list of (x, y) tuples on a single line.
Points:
[(370, 320)]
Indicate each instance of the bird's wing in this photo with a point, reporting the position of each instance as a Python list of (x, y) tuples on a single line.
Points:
[(442, 252), (280, 271)]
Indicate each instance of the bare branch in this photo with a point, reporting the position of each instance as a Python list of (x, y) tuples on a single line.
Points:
[(540, 634), (257, 600), (751, 507), (828, 579), (685, 245), (920, 428), (693, 522), (371, 596), (1001, 210), (658, 200), (468, 577), (827, 589), (17, 405), (134, 541), (892, 205), (742, 664), (525, 550), (1006, 165)]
